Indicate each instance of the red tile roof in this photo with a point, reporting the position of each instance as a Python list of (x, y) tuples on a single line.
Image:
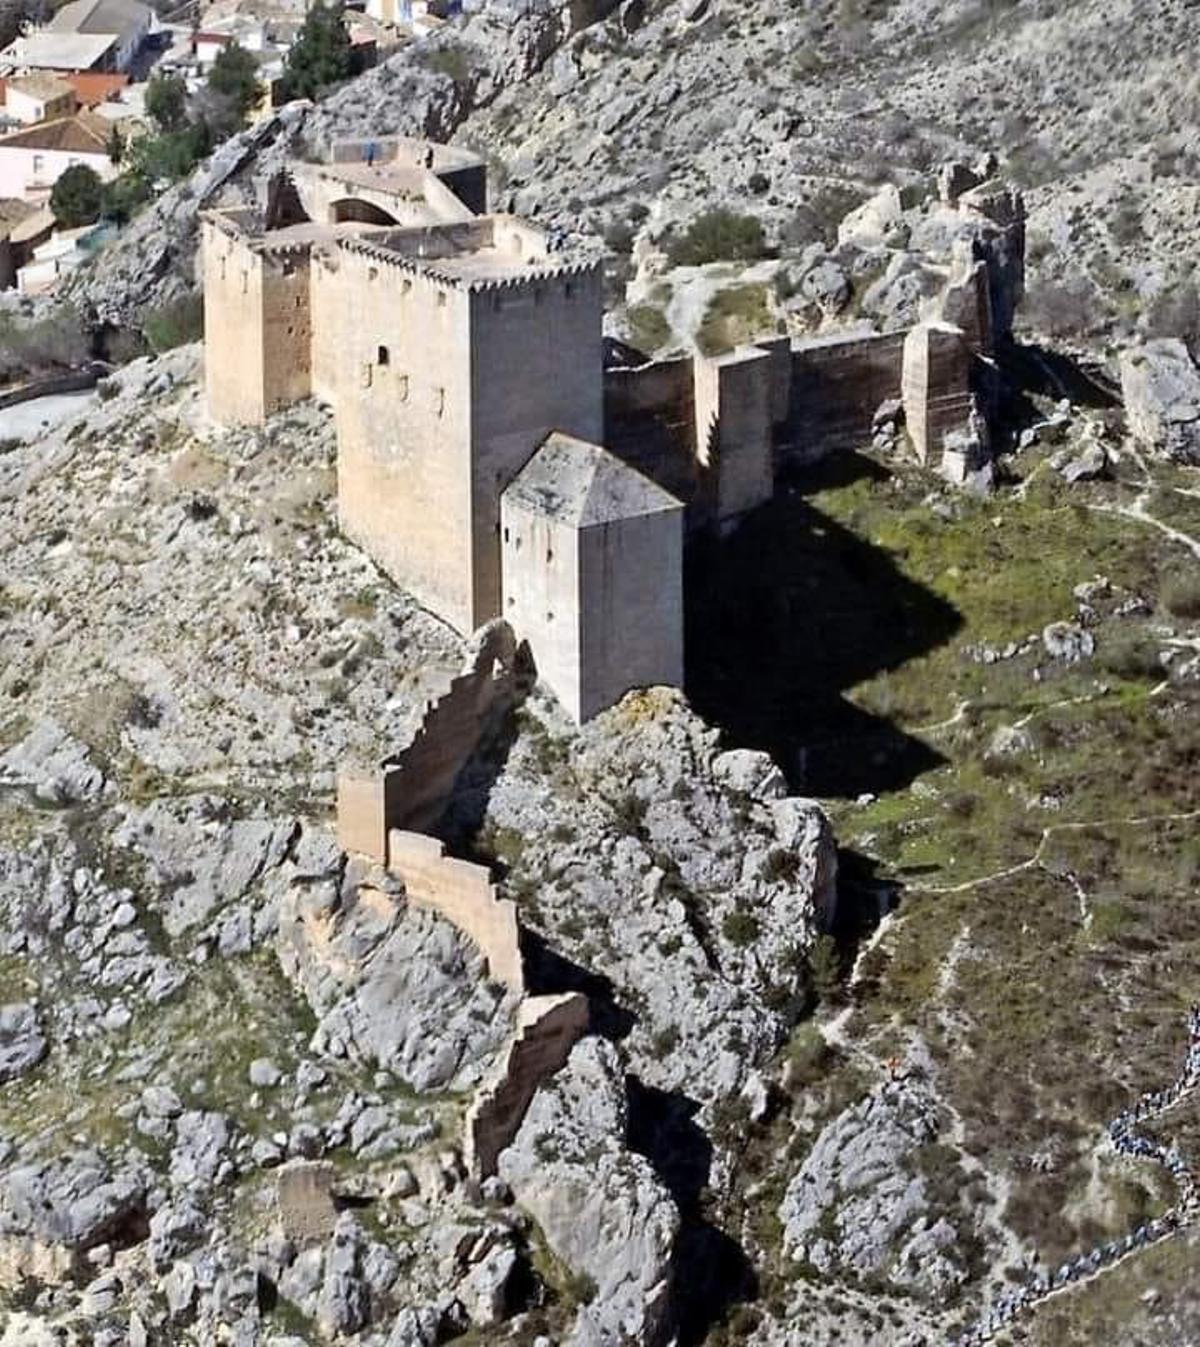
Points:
[(83, 133)]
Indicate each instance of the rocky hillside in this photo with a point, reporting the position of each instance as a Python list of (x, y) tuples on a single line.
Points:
[(630, 126), (191, 650)]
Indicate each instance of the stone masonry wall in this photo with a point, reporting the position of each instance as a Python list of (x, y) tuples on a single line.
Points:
[(650, 423), (836, 387), (464, 894), (734, 426), (936, 386), (535, 363), (547, 1028), (233, 348), (404, 426)]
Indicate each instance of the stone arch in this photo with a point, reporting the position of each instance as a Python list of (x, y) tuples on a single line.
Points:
[(355, 209)]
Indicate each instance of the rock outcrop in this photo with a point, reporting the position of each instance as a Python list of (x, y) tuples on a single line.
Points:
[(1160, 384), (600, 1207)]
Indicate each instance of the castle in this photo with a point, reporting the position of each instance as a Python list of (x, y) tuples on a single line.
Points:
[(495, 455)]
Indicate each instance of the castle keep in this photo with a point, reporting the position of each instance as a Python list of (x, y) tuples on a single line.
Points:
[(495, 456)]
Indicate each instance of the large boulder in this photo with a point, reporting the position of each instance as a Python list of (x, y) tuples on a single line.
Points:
[(603, 1211), (22, 1043), (1161, 387)]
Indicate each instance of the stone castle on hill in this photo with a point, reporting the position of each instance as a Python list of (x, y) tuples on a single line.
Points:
[(496, 457)]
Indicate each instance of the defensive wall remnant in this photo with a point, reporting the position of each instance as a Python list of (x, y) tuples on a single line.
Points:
[(547, 1028), (411, 789), (465, 895)]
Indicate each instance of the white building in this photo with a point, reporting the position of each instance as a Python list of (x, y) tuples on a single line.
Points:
[(126, 22), (32, 160)]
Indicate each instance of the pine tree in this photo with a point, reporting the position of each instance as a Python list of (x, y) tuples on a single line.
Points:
[(320, 56)]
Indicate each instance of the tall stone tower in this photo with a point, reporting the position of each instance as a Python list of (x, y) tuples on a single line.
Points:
[(461, 348)]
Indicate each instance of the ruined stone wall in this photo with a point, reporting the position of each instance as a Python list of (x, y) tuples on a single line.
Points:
[(464, 894), (547, 1028), (936, 386), (734, 426), (412, 789), (286, 328), (836, 385), (233, 328), (535, 365), (650, 423), (404, 427)]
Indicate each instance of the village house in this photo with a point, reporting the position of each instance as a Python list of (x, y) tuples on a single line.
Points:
[(33, 159), (125, 22), (37, 97)]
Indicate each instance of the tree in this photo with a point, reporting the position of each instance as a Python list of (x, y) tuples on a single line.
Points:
[(116, 146), (77, 196), (320, 56), (14, 18), (234, 79), (166, 102)]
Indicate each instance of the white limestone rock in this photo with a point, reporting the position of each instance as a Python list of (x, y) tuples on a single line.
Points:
[(1161, 388), (54, 764), (22, 1043), (601, 1208), (858, 1193)]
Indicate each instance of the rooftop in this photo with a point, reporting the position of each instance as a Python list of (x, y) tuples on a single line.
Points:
[(40, 84), (46, 50), (81, 133), (113, 18), (582, 484)]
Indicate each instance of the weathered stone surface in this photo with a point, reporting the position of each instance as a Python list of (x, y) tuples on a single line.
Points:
[(601, 1208), (56, 765), (857, 1192), (78, 1201), (22, 1043), (1161, 387), (378, 974)]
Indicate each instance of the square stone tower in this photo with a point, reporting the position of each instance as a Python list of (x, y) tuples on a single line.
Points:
[(257, 324), (593, 574), (460, 348)]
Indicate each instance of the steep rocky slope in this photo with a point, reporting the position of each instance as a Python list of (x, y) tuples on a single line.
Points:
[(632, 125), (190, 650)]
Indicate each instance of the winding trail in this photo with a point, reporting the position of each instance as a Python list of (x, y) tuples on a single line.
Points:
[(1128, 1141)]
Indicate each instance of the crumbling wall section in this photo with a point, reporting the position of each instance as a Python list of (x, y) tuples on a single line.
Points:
[(936, 387), (547, 1028), (734, 405), (412, 789), (836, 386), (464, 894)]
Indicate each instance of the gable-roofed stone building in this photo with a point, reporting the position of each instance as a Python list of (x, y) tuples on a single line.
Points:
[(592, 558)]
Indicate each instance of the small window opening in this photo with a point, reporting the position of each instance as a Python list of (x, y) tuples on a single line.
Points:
[(441, 299), (382, 356)]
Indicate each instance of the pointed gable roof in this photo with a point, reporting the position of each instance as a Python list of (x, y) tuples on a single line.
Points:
[(582, 484)]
